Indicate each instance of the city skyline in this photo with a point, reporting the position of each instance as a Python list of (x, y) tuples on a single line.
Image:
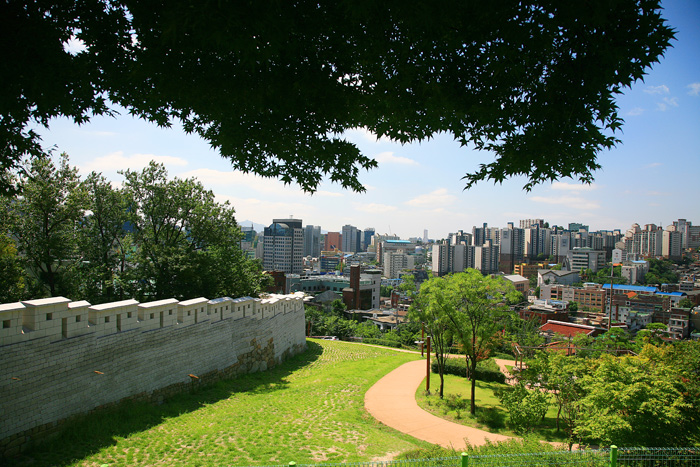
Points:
[(648, 178)]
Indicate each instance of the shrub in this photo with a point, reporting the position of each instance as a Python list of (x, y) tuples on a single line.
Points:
[(525, 407), (384, 342), (485, 371)]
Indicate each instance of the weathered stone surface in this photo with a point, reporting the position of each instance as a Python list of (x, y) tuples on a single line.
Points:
[(50, 379)]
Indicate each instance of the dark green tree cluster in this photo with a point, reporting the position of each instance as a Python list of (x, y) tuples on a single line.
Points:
[(154, 238), (660, 272), (272, 86), (627, 400), (603, 276), (333, 323)]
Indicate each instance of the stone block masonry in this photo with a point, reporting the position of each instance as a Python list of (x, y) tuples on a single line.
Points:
[(60, 359)]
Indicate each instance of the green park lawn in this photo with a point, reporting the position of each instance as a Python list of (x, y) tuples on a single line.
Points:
[(490, 414), (309, 410)]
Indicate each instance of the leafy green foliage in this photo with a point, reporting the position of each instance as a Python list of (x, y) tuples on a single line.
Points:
[(273, 89), (45, 221), (525, 407), (630, 402), (603, 276), (104, 242), (155, 238), (12, 275), (476, 310), (429, 306), (624, 400), (660, 272), (486, 370), (186, 242)]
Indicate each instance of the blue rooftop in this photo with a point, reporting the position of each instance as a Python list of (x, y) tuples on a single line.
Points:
[(404, 242), (631, 288), (672, 294)]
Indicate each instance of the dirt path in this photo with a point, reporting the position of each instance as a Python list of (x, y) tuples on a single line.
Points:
[(392, 401), (510, 379)]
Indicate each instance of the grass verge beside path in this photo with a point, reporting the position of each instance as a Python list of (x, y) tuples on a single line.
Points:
[(309, 410), (490, 414)]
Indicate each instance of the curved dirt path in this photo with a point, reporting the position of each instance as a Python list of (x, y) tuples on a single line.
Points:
[(510, 379), (392, 401)]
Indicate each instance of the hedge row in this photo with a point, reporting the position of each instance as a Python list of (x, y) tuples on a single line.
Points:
[(384, 342), (485, 371)]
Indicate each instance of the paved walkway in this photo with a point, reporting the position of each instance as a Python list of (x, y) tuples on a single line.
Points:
[(392, 401)]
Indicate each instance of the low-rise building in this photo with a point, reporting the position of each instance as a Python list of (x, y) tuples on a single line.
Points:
[(590, 296), (553, 276), (522, 284)]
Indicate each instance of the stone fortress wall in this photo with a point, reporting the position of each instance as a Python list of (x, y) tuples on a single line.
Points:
[(60, 358)]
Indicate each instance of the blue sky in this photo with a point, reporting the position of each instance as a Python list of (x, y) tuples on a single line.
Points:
[(653, 176)]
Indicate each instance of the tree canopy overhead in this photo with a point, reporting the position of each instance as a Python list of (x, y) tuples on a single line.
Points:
[(273, 85)]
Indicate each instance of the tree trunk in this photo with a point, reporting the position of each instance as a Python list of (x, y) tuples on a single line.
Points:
[(472, 372)]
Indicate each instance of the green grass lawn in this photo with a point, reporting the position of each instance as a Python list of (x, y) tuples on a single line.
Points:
[(309, 410), (490, 414)]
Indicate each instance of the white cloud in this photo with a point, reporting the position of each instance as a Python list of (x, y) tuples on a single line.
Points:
[(438, 197), (375, 208), (237, 179), (635, 112), (668, 102), (262, 211), (663, 89), (694, 89), (365, 134), (328, 194), (573, 202), (574, 186), (652, 165), (390, 158), (118, 161), (658, 193)]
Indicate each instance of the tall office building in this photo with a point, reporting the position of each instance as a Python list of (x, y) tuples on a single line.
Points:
[(333, 241), (284, 246), (349, 239), (312, 241), (367, 235)]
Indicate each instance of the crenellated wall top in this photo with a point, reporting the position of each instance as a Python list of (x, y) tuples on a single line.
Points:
[(60, 318)]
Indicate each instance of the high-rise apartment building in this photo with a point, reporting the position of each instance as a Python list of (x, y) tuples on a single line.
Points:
[(284, 246), (671, 245), (312, 241), (527, 223), (512, 244), (486, 258)]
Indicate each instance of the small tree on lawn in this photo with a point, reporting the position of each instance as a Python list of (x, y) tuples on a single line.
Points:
[(475, 305), (430, 306)]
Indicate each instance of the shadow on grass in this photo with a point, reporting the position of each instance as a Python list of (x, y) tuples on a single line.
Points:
[(90, 433)]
